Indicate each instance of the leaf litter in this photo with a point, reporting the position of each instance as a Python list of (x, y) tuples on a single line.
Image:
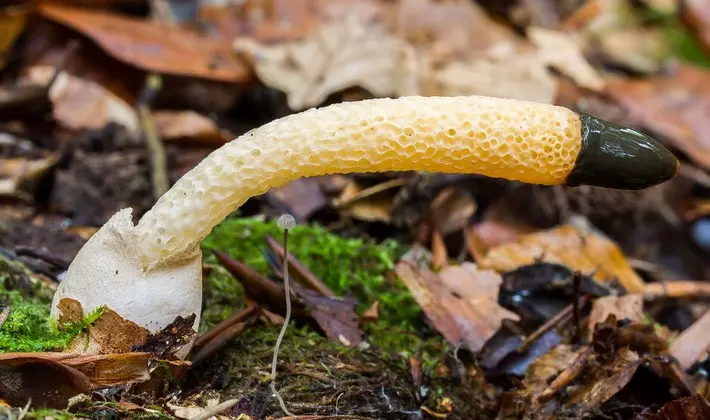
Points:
[(422, 295)]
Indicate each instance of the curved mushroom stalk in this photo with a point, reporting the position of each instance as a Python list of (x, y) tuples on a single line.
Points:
[(108, 271), (150, 273)]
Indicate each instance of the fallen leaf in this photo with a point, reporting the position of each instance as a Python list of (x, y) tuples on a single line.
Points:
[(189, 126), (193, 411), (450, 29), (561, 52), (372, 313), (109, 370), (451, 210), (508, 74), (153, 47), (351, 48), (368, 203), (302, 197), (461, 302), (335, 316), (492, 233), (80, 104), (44, 380), (623, 307), (692, 343), (550, 365), (694, 407), (606, 380), (438, 250), (19, 176), (110, 333), (584, 251), (674, 106)]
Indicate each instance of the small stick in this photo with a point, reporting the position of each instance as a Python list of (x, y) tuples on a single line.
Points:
[(286, 222), (686, 289), (577, 283), (158, 161)]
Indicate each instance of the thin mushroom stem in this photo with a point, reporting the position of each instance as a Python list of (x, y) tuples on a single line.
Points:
[(286, 222)]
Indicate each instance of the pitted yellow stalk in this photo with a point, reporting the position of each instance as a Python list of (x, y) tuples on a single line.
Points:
[(524, 141)]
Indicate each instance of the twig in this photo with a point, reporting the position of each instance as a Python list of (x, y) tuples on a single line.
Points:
[(159, 170), (577, 283), (286, 222), (686, 289), (226, 405)]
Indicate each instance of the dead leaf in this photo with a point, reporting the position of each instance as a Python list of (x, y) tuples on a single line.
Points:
[(4, 314), (606, 380), (335, 316), (109, 370), (169, 342), (461, 302), (19, 176), (350, 48), (450, 29), (438, 250), (80, 104), (368, 203), (302, 197), (674, 106), (110, 333), (561, 52), (694, 407), (623, 307), (193, 411), (153, 47), (189, 126), (692, 343), (451, 210), (492, 233), (506, 73), (549, 365), (580, 250), (372, 313), (44, 380)]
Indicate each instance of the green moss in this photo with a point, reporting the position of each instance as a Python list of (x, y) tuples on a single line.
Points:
[(345, 265), (222, 295), (29, 326)]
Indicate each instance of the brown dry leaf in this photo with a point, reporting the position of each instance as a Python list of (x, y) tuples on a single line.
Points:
[(692, 343), (372, 313), (461, 302), (581, 250), (303, 197), (675, 106), (549, 365), (13, 18), (189, 126), (506, 73), (694, 407), (335, 316), (80, 104), (350, 48), (368, 203), (110, 333), (108, 370), (561, 52), (40, 377), (439, 252), (623, 307), (606, 380), (19, 176), (449, 29), (451, 209), (152, 47), (492, 233)]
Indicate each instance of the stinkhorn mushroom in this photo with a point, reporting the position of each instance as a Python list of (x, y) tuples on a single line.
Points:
[(150, 272)]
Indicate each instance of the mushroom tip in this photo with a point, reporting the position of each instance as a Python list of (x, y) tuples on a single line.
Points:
[(614, 156)]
